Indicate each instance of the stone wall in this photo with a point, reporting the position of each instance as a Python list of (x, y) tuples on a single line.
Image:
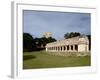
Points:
[(75, 44)]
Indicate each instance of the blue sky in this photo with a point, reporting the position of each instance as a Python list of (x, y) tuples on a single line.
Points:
[(59, 23)]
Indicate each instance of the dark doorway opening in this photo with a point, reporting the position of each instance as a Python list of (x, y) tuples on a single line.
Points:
[(67, 47), (76, 47), (71, 47), (64, 48)]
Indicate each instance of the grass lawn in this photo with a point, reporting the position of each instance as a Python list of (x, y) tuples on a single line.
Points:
[(41, 59)]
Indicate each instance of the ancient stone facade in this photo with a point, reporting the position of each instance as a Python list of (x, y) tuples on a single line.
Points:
[(75, 44)]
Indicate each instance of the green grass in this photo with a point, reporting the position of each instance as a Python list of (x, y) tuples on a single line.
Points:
[(41, 59)]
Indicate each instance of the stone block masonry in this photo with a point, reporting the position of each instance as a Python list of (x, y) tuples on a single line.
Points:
[(75, 44)]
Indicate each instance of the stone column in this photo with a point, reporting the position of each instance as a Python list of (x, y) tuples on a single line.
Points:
[(58, 48), (73, 47), (46, 49), (66, 48), (54, 48), (69, 47), (62, 48)]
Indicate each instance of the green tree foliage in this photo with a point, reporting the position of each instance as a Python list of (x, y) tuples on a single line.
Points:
[(28, 42), (33, 44), (41, 42), (89, 38), (71, 34), (45, 40)]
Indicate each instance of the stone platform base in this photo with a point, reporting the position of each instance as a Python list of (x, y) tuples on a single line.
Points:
[(69, 53)]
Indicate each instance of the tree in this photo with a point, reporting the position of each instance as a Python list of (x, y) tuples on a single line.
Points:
[(35, 44), (50, 39), (89, 38), (40, 43), (45, 40), (28, 42), (71, 34)]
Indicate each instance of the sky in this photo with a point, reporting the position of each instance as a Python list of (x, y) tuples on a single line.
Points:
[(38, 22)]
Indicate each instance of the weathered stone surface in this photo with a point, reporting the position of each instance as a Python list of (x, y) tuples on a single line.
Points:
[(75, 44)]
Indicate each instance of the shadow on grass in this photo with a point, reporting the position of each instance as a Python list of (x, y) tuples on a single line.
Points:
[(27, 57)]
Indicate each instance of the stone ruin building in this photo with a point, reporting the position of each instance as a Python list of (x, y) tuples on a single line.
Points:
[(75, 44)]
